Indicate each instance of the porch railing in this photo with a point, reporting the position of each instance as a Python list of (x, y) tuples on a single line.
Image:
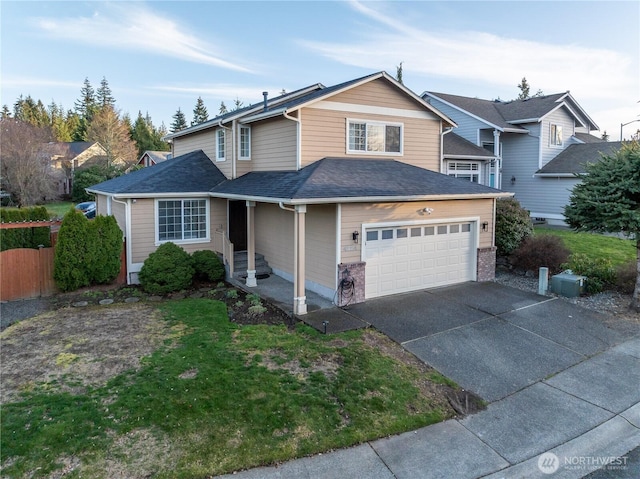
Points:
[(223, 246)]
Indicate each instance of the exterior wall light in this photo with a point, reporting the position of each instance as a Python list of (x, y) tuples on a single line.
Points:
[(354, 236), (485, 226)]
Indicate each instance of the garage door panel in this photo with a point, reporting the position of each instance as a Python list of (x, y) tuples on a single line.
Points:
[(417, 257)]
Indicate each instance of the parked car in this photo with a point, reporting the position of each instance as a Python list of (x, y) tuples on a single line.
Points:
[(88, 208)]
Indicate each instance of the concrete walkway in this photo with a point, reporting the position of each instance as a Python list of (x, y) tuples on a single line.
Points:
[(563, 387)]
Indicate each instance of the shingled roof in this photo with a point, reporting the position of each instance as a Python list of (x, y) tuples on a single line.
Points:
[(572, 160), (193, 172), (455, 146), (357, 179), (507, 115)]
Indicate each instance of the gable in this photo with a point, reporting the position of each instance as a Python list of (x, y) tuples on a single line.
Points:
[(379, 93)]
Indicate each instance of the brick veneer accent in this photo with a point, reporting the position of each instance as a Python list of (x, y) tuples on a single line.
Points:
[(486, 264), (347, 294)]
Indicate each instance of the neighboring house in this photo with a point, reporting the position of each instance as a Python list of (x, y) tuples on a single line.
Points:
[(522, 137), (338, 187), (69, 156), (150, 158)]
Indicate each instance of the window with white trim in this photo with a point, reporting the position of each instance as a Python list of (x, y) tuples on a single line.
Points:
[(374, 137), (468, 170), (556, 135), (245, 143), (182, 220), (220, 141)]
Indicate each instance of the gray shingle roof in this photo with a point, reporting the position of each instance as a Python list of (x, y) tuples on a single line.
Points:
[(349, 178), (158, 156), (588, 138), (574, 157), (455, 145), (193, 172)]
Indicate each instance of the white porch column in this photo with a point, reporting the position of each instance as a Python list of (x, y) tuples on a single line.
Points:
[(251, 245), (299, 299)]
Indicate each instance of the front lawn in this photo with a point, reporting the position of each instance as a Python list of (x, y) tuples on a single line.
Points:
[(619, 251), (212, 396), (59, 208)]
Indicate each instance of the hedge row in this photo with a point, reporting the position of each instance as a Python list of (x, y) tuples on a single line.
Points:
[(24, 237)]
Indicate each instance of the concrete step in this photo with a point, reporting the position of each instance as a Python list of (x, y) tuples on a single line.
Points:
[(241, 263)]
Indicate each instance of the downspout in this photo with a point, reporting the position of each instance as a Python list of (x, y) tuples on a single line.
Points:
[(234, 126), (298, 138), (127, 233)]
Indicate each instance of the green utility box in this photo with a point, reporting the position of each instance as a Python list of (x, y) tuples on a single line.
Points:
[(567, 285)]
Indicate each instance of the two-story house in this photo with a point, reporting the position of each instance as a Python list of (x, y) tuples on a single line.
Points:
[(338, 187), (524, 138)]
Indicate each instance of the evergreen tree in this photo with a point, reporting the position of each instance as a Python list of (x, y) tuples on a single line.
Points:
[(179, 121), (605, 135), (237, 104), (5, 113), (103, 95), (223, 109), (399, 73), (200, 113), (608, 200), (86, 105), (524, 89), (146, 136)]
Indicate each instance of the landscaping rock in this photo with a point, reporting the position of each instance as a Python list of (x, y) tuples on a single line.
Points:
[(80, 304), (106, 301), (133, 299)]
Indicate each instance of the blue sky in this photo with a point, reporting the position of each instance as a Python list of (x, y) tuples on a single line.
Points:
[(159, 56)]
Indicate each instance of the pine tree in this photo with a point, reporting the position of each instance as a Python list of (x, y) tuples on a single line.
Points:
[(223, 109), (200, 113), (237, 104), (86, 105), (524, 89), (6, 113), (179, 121), (103, 94), (399, 73)]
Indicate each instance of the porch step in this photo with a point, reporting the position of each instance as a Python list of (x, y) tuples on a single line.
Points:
[(241, 263)]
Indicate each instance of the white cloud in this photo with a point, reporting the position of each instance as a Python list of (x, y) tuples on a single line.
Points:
[(135, 27), (484, 58), (225, 91)]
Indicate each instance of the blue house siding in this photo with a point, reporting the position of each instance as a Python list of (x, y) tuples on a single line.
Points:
[(548, 151), (467, 126)]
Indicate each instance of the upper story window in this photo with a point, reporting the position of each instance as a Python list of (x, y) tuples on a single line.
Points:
[(220, 149), (374, 137), (245, 143), (182, 220), (556, 135), (468, 170)]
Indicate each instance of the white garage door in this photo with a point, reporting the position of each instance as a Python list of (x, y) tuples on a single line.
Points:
[(407, 258)]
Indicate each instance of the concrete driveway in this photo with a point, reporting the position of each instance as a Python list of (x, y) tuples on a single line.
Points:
[(491, 339)]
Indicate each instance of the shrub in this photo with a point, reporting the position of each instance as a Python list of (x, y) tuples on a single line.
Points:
[(104, 247), (626, 277), (599, 271), (70, 270), (24, 237), (513, 225), (541, 251), (168, 269), (208, 266)]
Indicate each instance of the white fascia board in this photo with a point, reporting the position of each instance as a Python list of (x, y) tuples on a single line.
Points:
[(573, 113), (584, 113), (264, 115), (469, 157), (555, 175), (151, 195), (364, 199)]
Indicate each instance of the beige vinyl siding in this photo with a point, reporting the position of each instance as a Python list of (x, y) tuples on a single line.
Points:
[(205, 141), (101, 205), (324, 134), (355, 214), (274, 239), (143, 226), (378, 93), (119, 212), (273, 145)]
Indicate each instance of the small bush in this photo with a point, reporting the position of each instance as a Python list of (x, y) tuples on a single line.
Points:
[(70, 270), (513, 225), (599, 271), (541, 251), (626, 277), (208, 266), (166, 270)]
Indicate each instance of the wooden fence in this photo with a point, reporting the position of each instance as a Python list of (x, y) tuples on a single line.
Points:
[(28, 273)]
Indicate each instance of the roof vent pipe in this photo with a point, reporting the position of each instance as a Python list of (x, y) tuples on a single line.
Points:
[(265, 94)]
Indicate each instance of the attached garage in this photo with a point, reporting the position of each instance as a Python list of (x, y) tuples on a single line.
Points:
[(408, 257)]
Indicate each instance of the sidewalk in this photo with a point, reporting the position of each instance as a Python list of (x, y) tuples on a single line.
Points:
[(564, 426)]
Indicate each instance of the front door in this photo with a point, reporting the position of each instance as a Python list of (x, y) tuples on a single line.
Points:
[(238, 225)]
